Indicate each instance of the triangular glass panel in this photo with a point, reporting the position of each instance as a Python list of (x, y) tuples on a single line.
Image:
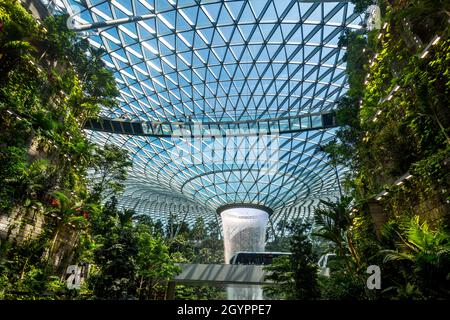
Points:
[(277, 37), (272, 50), (162, 5), (258, 6), (335, 39), (164, 49), (162, 28), (181, 23), (293, 14), (140, 8), (246, 31), (203, 20), (237, 51), (180, 45), (276, 67), (218, 39), (204, 54), (257, 37), (190, 13), (286, 29), (196, 62), (227, 32), (105, 8), (247, 15), (264, 57), (214, 64), (237, 38), (337, 17), (213, 10), (317, 13), (266, 29), (127, 40), (280, 56), (224, 17), (143, 33), (119, 14), (297, 37), (261, 67), (270, 15), (235, 8), (229, 58)]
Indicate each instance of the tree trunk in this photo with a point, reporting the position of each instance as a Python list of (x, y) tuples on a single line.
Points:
[(378, 217), (52, 247)]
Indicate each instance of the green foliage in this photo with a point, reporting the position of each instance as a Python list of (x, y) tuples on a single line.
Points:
[(295, 276), (110, 164), (333, 222), (422, 260), (131, 262), (344, 148), (362, 5), (12, 169), (50, 83), (425, 17), (303, 262), (342, 285), (96, 82), (356, 57), (18, 30), (23, 274), (155, 265), (115, 256), (411, 133), (280, 272), (352, 238)]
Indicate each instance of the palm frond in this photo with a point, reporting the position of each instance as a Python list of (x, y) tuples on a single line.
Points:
[(391, 255)]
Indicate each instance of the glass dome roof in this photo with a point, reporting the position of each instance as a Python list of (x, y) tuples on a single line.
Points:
[(222, 61)]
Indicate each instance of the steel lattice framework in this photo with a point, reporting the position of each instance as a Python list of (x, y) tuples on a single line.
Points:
[(248, 62)]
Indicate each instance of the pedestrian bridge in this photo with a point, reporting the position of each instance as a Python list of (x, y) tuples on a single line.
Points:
[(218, 274), (221, 274)]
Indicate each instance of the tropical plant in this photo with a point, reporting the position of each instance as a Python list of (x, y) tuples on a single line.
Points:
[(115, 255), (295, 276), (424, 256), (333, 222), (109, 164), (155, 265), (362, 5)]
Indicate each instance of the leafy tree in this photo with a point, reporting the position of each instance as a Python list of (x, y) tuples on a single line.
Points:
[(96, 84), (199, 232), (12, 170), (333, 222), (131, 262), (116, 255), (109, 164), (304, 263), (16, 33), (296, 275), (356, 57), (362, 5), (425, 17), (155, 227), (155, 265), (280, 272)]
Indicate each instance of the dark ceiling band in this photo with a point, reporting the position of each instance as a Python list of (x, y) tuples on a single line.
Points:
[(244, 205)]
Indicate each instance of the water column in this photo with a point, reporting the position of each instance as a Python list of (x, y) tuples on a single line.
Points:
[(244, 229)]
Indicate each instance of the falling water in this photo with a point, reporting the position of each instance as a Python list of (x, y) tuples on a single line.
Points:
[(244, 229)]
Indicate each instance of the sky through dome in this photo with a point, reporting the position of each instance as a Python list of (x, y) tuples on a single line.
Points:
[(223, 61)]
